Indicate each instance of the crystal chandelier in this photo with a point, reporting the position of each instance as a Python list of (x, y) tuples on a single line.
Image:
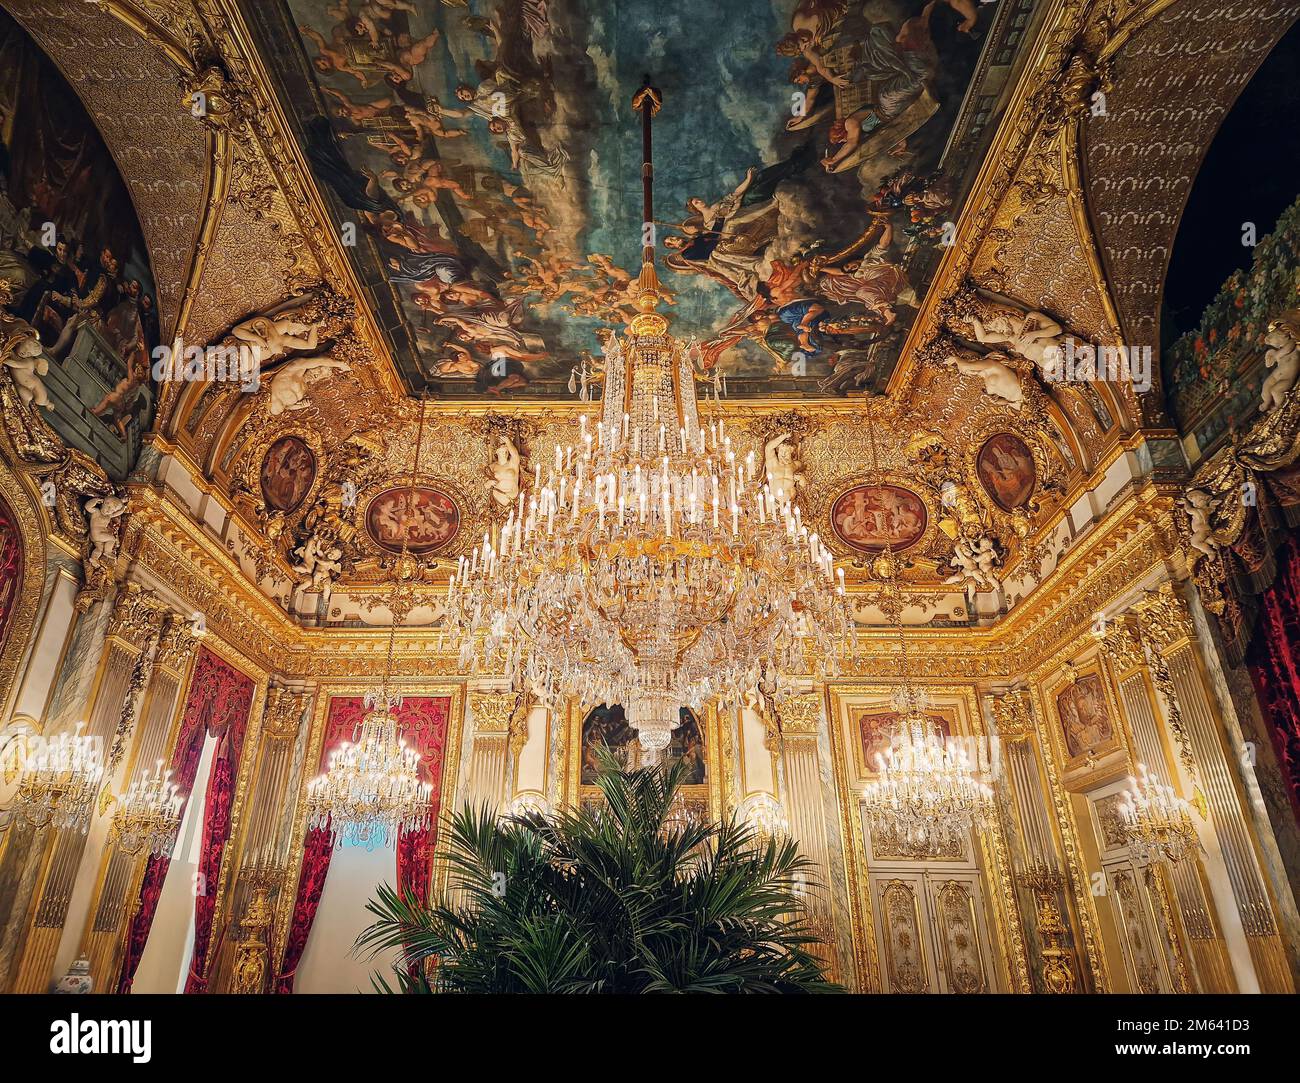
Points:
[(1157, 820), (149, 815), (927, 793), (650, 565), (59, 781), (372, 791)]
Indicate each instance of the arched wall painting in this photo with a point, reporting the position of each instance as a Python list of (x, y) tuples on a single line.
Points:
[(1006, 470), (11, 568), (288, 470), (422, 518), (73, 252), (608, 726), (868, 517)]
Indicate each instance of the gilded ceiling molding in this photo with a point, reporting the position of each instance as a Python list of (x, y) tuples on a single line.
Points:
[(1034, 93), (18, 496), (273, 204)]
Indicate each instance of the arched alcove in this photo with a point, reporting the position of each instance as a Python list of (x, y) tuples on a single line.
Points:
[(74, 257), (1234, 259)]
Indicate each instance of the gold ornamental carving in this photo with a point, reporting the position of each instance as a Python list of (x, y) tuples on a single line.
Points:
[(801, 715), (1058, 960), (1122, 644), (284, 713), (175, 645), (1164, 617), (138, 614), (492, 711), (248, 972), (1013, 717)]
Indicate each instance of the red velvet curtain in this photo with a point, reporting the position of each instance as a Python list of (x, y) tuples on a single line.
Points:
[(1274, 660), (345, 713), (215, 694), (424, 725), (216, 827), (11, 567)]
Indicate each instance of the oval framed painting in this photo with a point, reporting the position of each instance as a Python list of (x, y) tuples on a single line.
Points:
[(425, 519), (869, 517), (1006, 470), (287, 473)]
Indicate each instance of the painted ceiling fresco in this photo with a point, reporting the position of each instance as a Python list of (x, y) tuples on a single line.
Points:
[(811, 156)]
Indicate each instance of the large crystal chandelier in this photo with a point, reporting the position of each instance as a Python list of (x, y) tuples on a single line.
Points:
[(1157, 819), (148, 815), (59, 781), (927, 794), (649, 565), (372, 791)]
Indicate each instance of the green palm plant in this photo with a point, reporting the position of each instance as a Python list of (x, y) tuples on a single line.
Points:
[(618, 899)]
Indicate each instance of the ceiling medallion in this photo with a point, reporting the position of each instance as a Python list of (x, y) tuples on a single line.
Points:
[(650, 566)]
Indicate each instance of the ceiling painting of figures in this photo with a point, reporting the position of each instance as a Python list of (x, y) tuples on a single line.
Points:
[(483, 161)]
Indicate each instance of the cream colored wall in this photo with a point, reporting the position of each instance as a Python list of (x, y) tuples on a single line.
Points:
[(166, 956), (329, 965)]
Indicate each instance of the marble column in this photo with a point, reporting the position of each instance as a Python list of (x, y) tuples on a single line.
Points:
[(127, 640), (802, 721), (1214, 771)]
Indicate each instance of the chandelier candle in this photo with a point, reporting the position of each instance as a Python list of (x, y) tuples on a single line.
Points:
[(651, 566)]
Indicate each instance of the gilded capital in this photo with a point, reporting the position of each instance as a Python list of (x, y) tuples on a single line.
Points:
[(1013, 716), (283, 715), (1122, 644), (492, 711), (138, 614), (1164, 617), (801, 715)]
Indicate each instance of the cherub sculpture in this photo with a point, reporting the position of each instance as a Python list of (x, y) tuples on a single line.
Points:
[(1283, 357), (1199, 506), (504, 469), (21, 353), (27, 363), (102, 513), (975, 560), (320, 561), (783, 466)]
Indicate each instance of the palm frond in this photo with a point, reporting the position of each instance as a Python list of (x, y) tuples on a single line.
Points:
[(617, 898)]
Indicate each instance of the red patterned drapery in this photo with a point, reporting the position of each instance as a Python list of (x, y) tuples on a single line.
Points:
[(218, 694), (425, 730), (11, 567), (345, 713), (424, 725), (1274, 660), (229, 727)]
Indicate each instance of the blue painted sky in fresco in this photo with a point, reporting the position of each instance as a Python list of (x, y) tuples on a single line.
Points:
[(571, 68)]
